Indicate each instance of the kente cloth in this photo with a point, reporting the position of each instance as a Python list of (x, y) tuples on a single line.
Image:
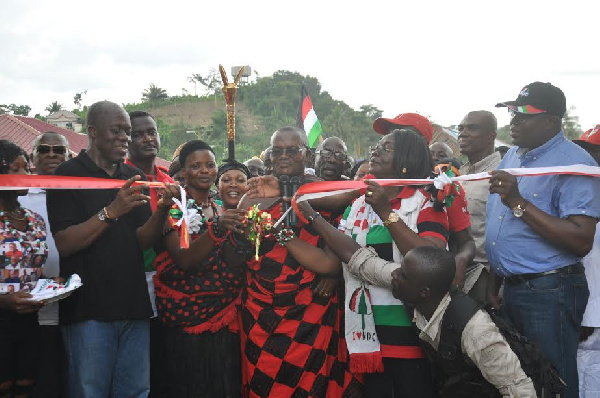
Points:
[(292, 345), (377, 324), (202, 299)]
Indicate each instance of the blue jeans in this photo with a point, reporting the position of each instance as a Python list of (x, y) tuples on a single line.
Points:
[(108, 359), (548, 310)]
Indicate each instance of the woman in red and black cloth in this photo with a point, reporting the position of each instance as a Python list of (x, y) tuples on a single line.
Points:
[(197, 291)]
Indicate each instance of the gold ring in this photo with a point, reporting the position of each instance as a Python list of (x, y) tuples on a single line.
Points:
[(369, 193)]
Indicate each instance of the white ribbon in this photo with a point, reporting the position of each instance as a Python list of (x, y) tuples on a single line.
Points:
[(182, 204)]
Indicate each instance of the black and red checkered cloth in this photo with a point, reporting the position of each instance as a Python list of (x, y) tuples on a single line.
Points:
[(291, 340)]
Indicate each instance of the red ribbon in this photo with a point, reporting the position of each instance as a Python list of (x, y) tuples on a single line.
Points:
[(24, 181)]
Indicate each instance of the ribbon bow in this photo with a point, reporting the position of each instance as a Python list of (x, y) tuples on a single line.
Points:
[(184, 221)]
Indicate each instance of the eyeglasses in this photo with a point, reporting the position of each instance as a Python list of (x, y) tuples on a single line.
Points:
[(57, 149), (338, 155), (379, 149), (291, 152), (520, 118)]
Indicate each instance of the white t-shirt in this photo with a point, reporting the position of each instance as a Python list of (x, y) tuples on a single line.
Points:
[(35, 200)]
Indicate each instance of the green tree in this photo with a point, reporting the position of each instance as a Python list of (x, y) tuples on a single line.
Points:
[(371, 111), (54, 107), (571, 125), (19, 110), (78, 97), (154, 94)]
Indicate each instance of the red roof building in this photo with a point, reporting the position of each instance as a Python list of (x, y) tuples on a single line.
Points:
[(22, 131)]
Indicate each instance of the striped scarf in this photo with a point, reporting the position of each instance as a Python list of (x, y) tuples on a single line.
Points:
[(360, 333)]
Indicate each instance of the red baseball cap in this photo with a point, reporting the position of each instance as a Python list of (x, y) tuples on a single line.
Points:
[(592, 136), (423, 126)]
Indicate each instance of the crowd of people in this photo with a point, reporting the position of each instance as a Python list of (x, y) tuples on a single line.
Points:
[(358, 294)]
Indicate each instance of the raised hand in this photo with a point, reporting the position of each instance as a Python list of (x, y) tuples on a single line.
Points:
[(263, 187), (506, 185), (233, 220), (128, 198), (167, 194), (377, 197)]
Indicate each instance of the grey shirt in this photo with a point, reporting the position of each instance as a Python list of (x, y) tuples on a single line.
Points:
[(477, 194)]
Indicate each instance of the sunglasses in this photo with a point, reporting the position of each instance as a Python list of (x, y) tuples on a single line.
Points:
[(291, 152), (337, 155), (517, 118), (57, 149)]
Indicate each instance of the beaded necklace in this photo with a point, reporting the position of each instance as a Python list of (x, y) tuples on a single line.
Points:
[(36, 234)]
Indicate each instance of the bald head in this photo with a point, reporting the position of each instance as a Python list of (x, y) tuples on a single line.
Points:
[(331, 159), (290, 131), (433, 267), (477, 135), (440, 150)]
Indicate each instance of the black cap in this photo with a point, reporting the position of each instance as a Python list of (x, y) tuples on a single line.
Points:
[(538, 97)]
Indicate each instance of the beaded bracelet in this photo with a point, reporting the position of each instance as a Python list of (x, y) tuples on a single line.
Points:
[(284, 236), (214, 236)]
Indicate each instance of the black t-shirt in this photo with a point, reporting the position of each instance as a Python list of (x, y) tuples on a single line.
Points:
[(112, 267)]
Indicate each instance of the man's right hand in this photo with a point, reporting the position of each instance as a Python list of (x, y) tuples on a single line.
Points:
[(263, 187), (19, 302), (127, 199)]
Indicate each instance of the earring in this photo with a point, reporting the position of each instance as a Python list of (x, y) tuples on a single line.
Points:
[(404, 170)]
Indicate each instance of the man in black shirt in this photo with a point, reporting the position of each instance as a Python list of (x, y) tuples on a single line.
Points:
[(100, 235)]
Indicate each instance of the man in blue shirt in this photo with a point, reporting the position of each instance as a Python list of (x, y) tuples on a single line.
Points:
[(539, 228)]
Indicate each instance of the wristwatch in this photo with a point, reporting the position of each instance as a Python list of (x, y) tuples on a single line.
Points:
[(392, 218), (103, 216), (519, 209)]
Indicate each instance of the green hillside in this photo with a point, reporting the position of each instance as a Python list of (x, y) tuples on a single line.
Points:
[(262, 107)]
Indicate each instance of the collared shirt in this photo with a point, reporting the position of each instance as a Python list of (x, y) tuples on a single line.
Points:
[(591, 262), (35, 200), (111, 268), (512, 246), (484, 345), (477, 195)]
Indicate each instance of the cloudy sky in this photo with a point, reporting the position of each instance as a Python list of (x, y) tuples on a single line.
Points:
[(439, 58)]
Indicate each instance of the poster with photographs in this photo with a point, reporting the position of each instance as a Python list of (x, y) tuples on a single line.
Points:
[(21, 266)]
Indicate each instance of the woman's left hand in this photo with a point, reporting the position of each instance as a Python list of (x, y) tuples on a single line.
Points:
[(376, 196), (233, 220)]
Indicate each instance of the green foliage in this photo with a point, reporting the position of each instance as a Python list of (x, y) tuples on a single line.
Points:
[(54, 107), (78, 97), (19, 110), (571, 125), (154, 94), (275, 101)]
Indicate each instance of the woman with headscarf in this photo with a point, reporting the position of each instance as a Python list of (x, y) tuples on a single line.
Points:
[(197, 290)]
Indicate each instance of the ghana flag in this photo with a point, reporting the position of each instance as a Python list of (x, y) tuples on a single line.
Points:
[(307, 119)]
